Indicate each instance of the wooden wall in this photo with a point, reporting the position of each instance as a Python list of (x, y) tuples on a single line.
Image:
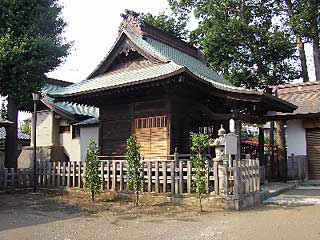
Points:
[(183, 115), (117, 122)]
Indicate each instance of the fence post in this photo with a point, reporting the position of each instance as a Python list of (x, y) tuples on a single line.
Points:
[(156, 177), (176, 157), (180, 177), (164, 177), (121, 176), (149, 176), (102, 175), (5, 183), (68, 176), (189, 174), (216, 178), (236, 179), (172, 168)]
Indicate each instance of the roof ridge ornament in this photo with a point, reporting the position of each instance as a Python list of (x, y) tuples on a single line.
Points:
[(131, 20)]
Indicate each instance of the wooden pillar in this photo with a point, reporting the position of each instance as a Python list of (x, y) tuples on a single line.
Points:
[(271, 133), (261, 147), (282, 154)]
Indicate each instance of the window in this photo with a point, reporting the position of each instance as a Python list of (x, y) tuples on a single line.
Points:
[(75, 131), (64, 129), (151, 122)]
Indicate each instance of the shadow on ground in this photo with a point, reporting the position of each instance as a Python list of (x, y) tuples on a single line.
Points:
[(20, 209)]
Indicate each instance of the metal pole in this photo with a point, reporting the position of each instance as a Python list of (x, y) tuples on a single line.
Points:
[(34, 127)]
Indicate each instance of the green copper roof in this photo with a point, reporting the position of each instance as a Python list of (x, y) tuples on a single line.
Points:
[(73, 108), (173, 61), (121, 78), (193, 64)]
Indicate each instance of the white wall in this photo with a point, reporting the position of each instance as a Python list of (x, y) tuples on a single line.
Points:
[(44, 128), (296, 138), (71, 145), (87, 133)]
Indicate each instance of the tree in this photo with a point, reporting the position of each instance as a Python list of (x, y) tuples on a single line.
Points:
[(290, 10), (241, 40), (305, 21), (3, 109), (31, 45), (92, 181), (25, 127), (199, 143), (170, 24), (135, 180)]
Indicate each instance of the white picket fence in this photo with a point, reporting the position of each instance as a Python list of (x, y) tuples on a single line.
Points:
[(165, 174)]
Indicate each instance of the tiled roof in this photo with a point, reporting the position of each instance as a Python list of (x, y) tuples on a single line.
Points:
[(72, 108), (21, 136), (121, 78), (172, 60), (90, 121), (305, 95)]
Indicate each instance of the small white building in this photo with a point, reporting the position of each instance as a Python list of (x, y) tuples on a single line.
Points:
[(64, 130), (302, 127)]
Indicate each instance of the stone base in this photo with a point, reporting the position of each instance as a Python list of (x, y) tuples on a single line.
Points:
[(46, 153)]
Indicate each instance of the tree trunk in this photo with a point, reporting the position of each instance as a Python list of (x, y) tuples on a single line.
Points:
[(282, 154), (11, 135), (92, 195), (303, 58), (315, 48), (300, 46)]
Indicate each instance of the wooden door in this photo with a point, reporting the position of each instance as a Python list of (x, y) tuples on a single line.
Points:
[(313, 153), (152, 135)]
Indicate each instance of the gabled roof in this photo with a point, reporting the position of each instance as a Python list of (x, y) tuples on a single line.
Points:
[(169, 57), (21, 135), (306, 96), (167, 61), (65, 108)]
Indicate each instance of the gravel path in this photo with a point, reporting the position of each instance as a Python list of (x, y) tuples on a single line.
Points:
[(43, 216)]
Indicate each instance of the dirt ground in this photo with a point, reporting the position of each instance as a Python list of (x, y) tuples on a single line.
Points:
[(72, 217)]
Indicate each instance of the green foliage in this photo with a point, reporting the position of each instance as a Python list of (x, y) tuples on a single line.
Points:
[(199, 143), (92, 179), (241, 40), (25, 127), (135, 180), (305, 13), (30, 46), (3, 109), (170, 24)]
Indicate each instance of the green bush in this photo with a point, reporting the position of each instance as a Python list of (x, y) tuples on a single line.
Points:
[(135, 180), (92, 181)]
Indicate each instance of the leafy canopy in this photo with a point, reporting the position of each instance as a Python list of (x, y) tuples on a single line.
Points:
[(170, 24), (242, 40), (31, 45)]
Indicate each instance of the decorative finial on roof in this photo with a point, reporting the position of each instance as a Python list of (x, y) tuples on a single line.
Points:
[(130, 19)]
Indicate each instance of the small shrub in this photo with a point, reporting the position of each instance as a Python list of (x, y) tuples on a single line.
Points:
[(199, 143), (92, 179), (135, 180)]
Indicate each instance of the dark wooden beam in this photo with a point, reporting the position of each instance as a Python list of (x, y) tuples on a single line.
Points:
[(261, 147)]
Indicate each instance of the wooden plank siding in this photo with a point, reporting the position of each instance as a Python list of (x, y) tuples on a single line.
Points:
[(313, 153)]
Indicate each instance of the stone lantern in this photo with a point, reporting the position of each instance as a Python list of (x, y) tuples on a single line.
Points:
[(219, 145)]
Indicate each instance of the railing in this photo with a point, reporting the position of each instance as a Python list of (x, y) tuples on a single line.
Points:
[(172, 174)]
